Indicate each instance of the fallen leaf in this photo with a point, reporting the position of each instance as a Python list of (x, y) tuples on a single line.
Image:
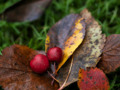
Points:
[(87, 54), (66, 80), (110, 59), (25, 10), (92, 79), (67, 34), (15, 72)]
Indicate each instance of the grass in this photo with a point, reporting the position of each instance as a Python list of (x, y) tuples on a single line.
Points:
[(33, 34)]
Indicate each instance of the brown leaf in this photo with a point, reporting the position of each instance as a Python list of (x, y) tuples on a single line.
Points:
[(25, 10), (67, 34), (87, 53), (110, 59), (15, 72), (92, 79)]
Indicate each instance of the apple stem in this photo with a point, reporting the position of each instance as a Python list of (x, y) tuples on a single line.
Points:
[(55, 66), (52, 76), (54, 73)]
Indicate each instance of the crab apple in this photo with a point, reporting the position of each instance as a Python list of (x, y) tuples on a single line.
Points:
[(55, 54), (39, 63)]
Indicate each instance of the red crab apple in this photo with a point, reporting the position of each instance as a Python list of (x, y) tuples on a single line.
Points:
[(55, 54), (39, 63)]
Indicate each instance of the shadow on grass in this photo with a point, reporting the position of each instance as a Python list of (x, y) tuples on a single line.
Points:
[(114, 79)]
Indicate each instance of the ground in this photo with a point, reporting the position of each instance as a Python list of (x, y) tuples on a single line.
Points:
[(33, 34)]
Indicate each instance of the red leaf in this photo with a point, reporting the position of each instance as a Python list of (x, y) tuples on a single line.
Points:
[(92, 79)]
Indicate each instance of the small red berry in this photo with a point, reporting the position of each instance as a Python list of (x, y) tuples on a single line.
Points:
[(39, 63), (55, 54)]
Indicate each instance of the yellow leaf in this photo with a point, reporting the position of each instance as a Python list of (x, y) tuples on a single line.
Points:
[(67, 34), (72, 43), (47, 43)]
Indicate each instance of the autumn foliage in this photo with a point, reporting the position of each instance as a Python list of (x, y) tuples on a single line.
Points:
[(92, 79), (86, 55)]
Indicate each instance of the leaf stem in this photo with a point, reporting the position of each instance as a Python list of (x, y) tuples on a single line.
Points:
[(67, 76)]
